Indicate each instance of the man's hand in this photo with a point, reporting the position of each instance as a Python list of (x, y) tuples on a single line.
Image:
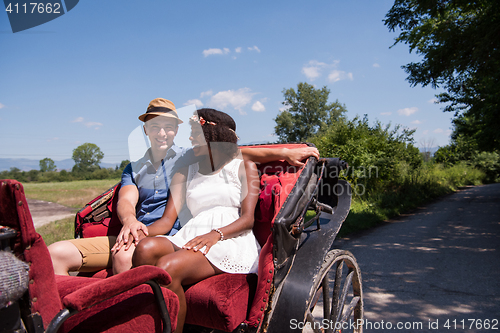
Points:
[(129, 234), (295, 156)]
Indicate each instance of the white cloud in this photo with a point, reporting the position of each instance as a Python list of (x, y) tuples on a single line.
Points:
[(206, 93), (311, 72), (195, 101), (433, 101), (238, 99), (407, 111), (416, 122), (258, 107), (254, 48), (376, 65), (314, 69), (425, 132), (1, 106), (89, 124), (53, 139), (238, 50), (208, 52), (386, 113), (438, 130), (337, 75), (94, 124)]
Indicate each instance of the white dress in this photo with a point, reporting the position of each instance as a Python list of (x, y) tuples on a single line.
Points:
[(215, 202)]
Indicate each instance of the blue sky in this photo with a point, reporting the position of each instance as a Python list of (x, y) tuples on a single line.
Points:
[(87, 75)]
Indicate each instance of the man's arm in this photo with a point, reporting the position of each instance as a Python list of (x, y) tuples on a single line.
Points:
[(293, 156), (128, 196)]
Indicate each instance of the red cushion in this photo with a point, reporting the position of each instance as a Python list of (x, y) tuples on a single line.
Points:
[(133, 311), (266, 271), (221, 301)]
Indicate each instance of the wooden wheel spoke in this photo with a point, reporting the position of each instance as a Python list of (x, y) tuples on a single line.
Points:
[(336, 288), (310, 318), (326, 297), (350, 308), (345, 290), (336, 297)]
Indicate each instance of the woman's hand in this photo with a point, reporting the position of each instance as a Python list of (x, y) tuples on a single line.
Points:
[(208, 240), (296, 155), (129, 234)]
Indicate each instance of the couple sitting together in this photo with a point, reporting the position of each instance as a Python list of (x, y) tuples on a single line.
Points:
[(219, 188)]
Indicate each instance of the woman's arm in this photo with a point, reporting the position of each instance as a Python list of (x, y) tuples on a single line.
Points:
[(294, 156), (174, 204), (250, 191)]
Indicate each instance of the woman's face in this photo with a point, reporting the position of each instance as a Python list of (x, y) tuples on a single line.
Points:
[(198, 141)]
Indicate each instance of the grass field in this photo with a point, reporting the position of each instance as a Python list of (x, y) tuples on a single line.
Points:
[(72, 194)]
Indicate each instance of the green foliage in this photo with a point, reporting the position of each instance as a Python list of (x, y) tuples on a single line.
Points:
[(489, 163), (307, 112), (47, 164), (87, 158), (374, 153), (466, 151), (414, 187), (123, 164), (460, 48)]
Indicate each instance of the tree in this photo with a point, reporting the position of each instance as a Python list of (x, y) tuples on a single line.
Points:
[(87, 157), (460, 44), (47, 164), (307, 112)]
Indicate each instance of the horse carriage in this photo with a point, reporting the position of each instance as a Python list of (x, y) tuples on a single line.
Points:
[(303, 282)]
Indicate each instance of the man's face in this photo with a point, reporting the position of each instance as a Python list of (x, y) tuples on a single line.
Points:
[(161, 132)]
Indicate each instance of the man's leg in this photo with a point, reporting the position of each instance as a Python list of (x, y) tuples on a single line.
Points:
[(65, 257), (83, 254), (122, 259)]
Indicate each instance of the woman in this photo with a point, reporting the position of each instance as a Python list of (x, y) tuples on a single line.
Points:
[(221, 192)]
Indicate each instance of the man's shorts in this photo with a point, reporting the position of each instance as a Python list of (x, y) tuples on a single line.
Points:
[(96, 252)]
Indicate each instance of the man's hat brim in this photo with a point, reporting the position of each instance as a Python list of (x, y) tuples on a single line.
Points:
[(170, 114)]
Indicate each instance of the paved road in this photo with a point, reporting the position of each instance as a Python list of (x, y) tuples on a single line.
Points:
[(440, 263)]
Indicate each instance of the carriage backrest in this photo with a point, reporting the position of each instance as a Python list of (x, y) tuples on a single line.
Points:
[(42, 300), (277, 179)]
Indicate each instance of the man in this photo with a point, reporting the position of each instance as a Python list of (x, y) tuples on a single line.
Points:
[(143, 194)]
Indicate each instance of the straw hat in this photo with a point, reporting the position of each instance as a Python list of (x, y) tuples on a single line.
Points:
[(161, 107)]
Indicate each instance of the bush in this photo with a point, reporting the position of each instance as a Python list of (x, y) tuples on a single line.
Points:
[(375, 154), (489, 163)]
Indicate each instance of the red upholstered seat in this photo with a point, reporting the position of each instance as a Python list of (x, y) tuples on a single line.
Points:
[(133, 310)]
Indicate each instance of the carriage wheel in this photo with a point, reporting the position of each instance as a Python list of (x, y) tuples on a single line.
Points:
[(336, 303)]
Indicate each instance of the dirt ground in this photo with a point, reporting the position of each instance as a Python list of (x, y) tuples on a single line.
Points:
[(44, 212)]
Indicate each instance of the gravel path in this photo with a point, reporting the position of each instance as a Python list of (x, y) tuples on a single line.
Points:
[(438, 267), (44, 212)]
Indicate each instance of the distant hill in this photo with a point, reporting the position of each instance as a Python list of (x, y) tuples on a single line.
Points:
[(25, 164)]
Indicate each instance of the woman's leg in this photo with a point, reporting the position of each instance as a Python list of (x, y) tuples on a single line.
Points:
[(150, 249), (185, 267)]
